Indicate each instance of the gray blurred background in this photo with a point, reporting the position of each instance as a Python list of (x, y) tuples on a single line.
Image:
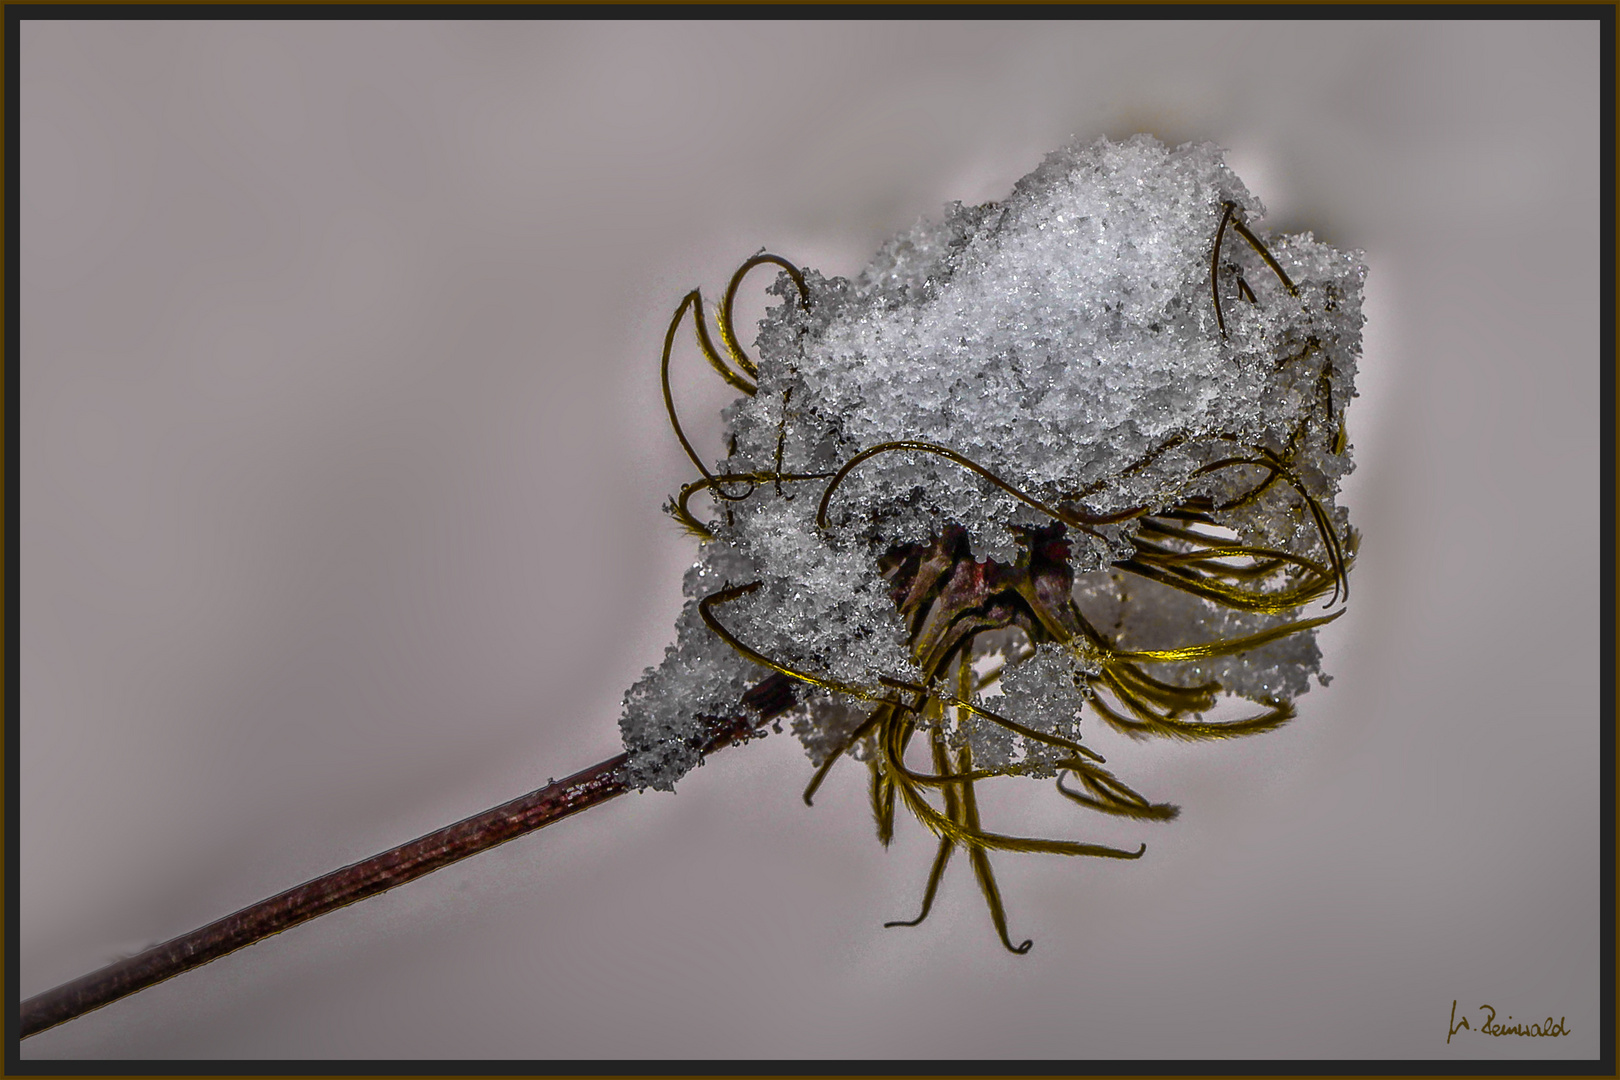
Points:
[(342, 457)]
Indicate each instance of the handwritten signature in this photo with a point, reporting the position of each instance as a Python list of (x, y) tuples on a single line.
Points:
[(1543, 1029)]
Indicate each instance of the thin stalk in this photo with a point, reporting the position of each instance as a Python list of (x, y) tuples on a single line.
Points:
[(355, 882)]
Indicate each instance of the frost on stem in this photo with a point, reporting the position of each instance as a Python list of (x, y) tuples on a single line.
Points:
[(1073, 453)]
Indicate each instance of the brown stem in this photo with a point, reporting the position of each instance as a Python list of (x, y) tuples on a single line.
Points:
[(369, 877)]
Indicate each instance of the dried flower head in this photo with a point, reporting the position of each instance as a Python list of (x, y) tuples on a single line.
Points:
[(1072, 454)]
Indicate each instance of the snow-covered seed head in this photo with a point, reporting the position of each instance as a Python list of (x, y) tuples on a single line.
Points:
[(1071, 454)]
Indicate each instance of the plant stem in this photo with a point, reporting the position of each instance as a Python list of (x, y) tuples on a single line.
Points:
[(369, 877)]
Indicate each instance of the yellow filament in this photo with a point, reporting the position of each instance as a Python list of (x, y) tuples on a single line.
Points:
[(1152, 723), (1223, 648), (942, 763), (981, 864), (1241, 599)]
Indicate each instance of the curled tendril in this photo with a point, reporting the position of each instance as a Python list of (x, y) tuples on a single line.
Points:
[(723, 317), (678, 509), (1324, 527), (1073, 519), (726, 596), (1265, 253), (694, 301), (1215, 266), (1150, 721), (1228, 217), (1111, 796)]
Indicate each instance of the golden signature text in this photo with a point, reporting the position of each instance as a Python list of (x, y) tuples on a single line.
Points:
[(1539, 1029)]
